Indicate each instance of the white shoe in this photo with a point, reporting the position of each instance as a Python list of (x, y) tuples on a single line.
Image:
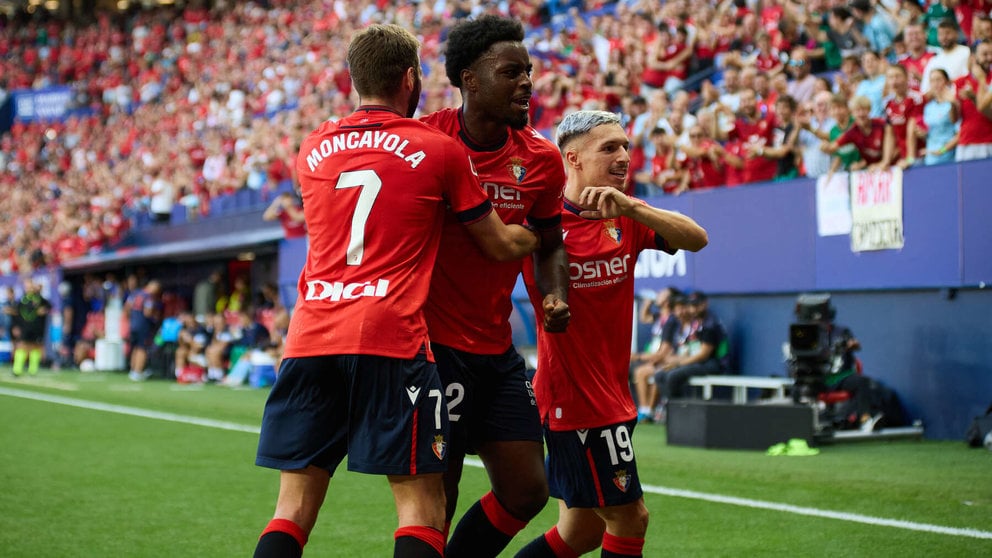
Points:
[(869, 424)]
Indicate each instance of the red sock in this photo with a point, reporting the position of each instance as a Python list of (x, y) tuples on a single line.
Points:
[(623, 546), (288, 527), (423, 533), (558, 544), (499, 517)]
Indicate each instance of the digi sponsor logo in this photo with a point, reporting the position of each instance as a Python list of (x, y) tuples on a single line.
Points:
[(323, 290)]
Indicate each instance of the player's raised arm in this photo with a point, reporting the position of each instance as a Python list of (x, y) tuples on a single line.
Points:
[(680, 231)]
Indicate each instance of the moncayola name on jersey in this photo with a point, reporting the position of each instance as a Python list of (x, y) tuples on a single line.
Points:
[(369, 139)]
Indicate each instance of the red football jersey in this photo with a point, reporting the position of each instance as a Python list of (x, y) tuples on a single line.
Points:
[(703, 172), (469, 304), (732, 175), (898, 113), (870, 144), (975, 127), (583, 374), (375, 186), (759, 132), (914, 68)]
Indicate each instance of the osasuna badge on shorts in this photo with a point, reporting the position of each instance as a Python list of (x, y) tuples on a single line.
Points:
[(622, 480), (611, 230), (516, 168), (439, 446)]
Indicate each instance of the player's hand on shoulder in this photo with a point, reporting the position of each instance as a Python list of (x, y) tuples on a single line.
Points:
[(556, 314)]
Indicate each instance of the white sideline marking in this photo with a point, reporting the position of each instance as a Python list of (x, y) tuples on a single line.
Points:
[(814, 512), (660, 490), (124, 410)]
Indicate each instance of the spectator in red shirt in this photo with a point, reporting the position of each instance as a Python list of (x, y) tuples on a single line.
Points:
[(287, 209), (552, 95), (762, 86), (755, 134), (635, 107), (902, 106), (664, 173), (766, 58), (704, 162), (973, 92), (667, 61), (867, 134)]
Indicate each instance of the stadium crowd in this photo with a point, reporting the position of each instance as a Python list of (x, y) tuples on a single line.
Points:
[(182, 105)]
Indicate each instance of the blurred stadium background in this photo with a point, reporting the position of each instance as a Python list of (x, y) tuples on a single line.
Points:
[(104, 101)]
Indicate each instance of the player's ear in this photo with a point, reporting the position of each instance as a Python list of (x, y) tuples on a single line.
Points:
[(572, 159), (410, 78), (469, 81)]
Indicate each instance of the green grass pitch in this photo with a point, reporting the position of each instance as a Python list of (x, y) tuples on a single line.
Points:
[(81, 482)]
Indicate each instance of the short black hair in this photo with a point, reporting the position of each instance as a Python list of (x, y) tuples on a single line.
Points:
[(948, 23), (841, 13), (469, 39)]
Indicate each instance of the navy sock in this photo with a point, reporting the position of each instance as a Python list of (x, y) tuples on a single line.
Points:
[(537, 548), (276, 544), (418, 541), (281, 539)]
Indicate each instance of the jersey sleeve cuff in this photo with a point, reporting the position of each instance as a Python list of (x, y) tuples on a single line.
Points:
[(474, 214), (662, 244), (544, 223)]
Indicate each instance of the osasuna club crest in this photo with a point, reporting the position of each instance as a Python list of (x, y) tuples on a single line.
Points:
[(622, 480), (611, 230), (439, 446), (516, 168)]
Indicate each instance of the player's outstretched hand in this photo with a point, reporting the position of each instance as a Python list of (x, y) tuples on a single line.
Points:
[(556, 314), (604, 202)]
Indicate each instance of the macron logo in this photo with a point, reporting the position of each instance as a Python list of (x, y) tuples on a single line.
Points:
[(412, 392), (322, 290)]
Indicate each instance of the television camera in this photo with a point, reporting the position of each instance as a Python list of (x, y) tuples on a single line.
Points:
[(813, 352)]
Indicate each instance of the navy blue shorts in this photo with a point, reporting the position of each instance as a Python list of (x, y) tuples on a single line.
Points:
[(490, 398), (386, 414), (141, 336), (593, 468)]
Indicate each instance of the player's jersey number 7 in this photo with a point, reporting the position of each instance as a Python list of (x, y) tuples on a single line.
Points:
[(370, 183)]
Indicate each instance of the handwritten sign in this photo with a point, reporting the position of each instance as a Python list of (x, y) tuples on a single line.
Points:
[(876, 210)]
